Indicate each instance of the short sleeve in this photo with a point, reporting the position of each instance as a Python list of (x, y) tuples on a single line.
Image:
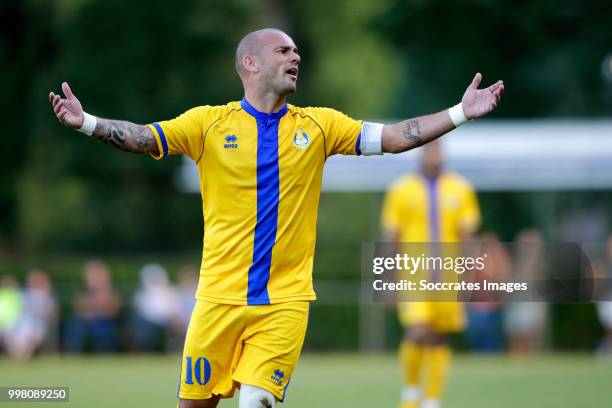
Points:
[(183, 134), (469, 213), (341, 132)]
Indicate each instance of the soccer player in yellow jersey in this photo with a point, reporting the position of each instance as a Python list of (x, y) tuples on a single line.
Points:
[(260, 162), (431, 206)]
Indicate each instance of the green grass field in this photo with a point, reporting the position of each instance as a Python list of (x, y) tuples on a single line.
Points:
[(329, 380)]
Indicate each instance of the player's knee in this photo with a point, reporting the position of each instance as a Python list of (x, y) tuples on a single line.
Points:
[(207, 403), (255, 397)]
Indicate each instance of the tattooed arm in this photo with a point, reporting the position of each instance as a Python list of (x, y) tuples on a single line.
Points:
[(415, 132), (126, 136), (120, 134), (412, 133)]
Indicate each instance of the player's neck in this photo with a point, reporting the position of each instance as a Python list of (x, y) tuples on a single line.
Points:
[(431, 174), (265, 102)]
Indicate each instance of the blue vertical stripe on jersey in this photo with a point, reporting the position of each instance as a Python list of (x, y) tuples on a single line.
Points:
[(267, 202), (434, 220), (162, 137)]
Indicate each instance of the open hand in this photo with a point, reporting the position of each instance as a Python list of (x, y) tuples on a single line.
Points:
[(68, 111), (478, 102)]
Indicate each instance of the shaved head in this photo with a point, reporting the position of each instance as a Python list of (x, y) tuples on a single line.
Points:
[(251, 44), (267, 62)]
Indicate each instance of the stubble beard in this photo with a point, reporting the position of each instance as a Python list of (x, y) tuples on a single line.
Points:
[(283, 86)]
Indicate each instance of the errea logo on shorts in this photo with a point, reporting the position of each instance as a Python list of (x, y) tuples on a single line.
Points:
[(231, 142), (278, 376)]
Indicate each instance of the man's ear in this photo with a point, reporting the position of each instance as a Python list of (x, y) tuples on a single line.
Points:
[(250, 63)]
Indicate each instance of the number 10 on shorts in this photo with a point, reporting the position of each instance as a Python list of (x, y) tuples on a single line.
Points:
[(200, 370)]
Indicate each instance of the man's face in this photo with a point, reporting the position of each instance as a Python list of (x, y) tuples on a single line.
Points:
[(278, 61)]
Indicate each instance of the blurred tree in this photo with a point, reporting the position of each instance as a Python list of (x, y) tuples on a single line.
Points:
[(146, 61), (151, 60), (25, 41), (548, 53), (353, 69)]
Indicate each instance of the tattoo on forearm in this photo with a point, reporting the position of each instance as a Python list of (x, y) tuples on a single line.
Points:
[(144, 138), (115, 137), (412, 132), (125, 136)]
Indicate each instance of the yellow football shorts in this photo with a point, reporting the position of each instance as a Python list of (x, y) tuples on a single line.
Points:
[(441, 317), (229, 345)]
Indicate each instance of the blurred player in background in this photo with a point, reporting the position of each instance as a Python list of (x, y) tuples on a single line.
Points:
[(433, 205), (260, 162)]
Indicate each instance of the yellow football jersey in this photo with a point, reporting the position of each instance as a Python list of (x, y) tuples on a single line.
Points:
[(421, 209), (260, 180)]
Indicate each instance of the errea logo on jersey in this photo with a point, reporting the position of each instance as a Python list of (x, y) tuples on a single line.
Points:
[(301, 140), (231, 142), (278, 376)]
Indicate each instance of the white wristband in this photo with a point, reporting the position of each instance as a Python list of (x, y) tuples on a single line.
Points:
[(457, 115), (371, 138), (89, 124)]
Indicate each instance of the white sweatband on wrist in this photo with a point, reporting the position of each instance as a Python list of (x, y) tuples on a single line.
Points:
[(371, 138), (457, 115), (89, 124)]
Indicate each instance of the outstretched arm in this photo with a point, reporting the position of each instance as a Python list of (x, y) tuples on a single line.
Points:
[(415, 132), (118, 133)]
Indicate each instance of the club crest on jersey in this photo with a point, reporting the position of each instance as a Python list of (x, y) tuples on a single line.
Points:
[(301, 140), (231, 142)]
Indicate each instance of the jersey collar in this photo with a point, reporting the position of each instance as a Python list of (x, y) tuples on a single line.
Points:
[(250, 109)]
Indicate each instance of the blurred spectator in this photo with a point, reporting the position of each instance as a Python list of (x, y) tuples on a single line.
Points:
[(187, 285), (11, 302), (96, 313), (37, 319), (587, 224), (156, 305), (604, 309), (525, 322), (485, 328)]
